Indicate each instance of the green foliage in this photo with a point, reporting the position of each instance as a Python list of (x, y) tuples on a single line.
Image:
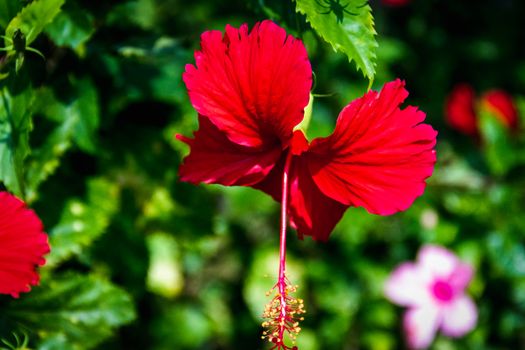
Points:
[(15, 125), (347, 26), (83, 222), (140, 260), (72, 27), (76, 119), (73, 311), (497, 144), (33, 18)]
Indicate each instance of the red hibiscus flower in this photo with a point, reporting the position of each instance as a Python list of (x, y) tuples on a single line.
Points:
[(23, 245), (250, 89), (461, 109)]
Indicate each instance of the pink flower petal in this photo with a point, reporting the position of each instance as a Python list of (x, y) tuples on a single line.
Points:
[(407, 287), (420, 326), (215, 159), (378, 156), (252, 85), (437, 261), (459, 317), (461, 276), (23, 246)]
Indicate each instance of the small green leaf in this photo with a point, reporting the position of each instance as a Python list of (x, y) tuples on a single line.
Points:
[(83, 222), (303, 125), (19, 62), (348, 25), (15, 125), (44, 161), (72, 27), (497, 145), (165, 275), (33, 18), (84, 310), (78, 114)]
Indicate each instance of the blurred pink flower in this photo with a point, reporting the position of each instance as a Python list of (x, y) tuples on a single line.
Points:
[(433, 290)]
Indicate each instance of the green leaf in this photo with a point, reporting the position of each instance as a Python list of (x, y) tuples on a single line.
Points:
[(497, 145), (348, 25), (84, 310), (33, 18), (8, 10), (83, 221), (165, 273), (78, 119), (72, 27), (15, 125), (78, 113), (45, 160)]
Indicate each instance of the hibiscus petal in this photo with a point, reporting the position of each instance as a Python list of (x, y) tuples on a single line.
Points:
[(215, 159), (459, 317), (23, 246), (420, 326), (254, 85), (310, 211), (313, 213), (378, 156), (406, 286)]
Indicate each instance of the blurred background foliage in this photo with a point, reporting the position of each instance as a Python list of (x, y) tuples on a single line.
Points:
[(142, 261)]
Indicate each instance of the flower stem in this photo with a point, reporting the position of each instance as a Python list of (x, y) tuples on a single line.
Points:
[(282, 241)]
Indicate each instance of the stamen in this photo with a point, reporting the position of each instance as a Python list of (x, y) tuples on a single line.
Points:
[(282, 316)]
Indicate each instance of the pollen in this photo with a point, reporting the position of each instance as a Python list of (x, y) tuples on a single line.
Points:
[(282, 316)]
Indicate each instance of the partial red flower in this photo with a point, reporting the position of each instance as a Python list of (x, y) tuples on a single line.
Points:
[(23, 245), (501, 105), (250, 90), (459, 109), (462, 108)]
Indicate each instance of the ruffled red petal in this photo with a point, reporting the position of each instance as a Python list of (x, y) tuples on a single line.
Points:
[(378, 156), (22, 246), (459, 109), (215, 159), (311, 212), (253, 85)]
